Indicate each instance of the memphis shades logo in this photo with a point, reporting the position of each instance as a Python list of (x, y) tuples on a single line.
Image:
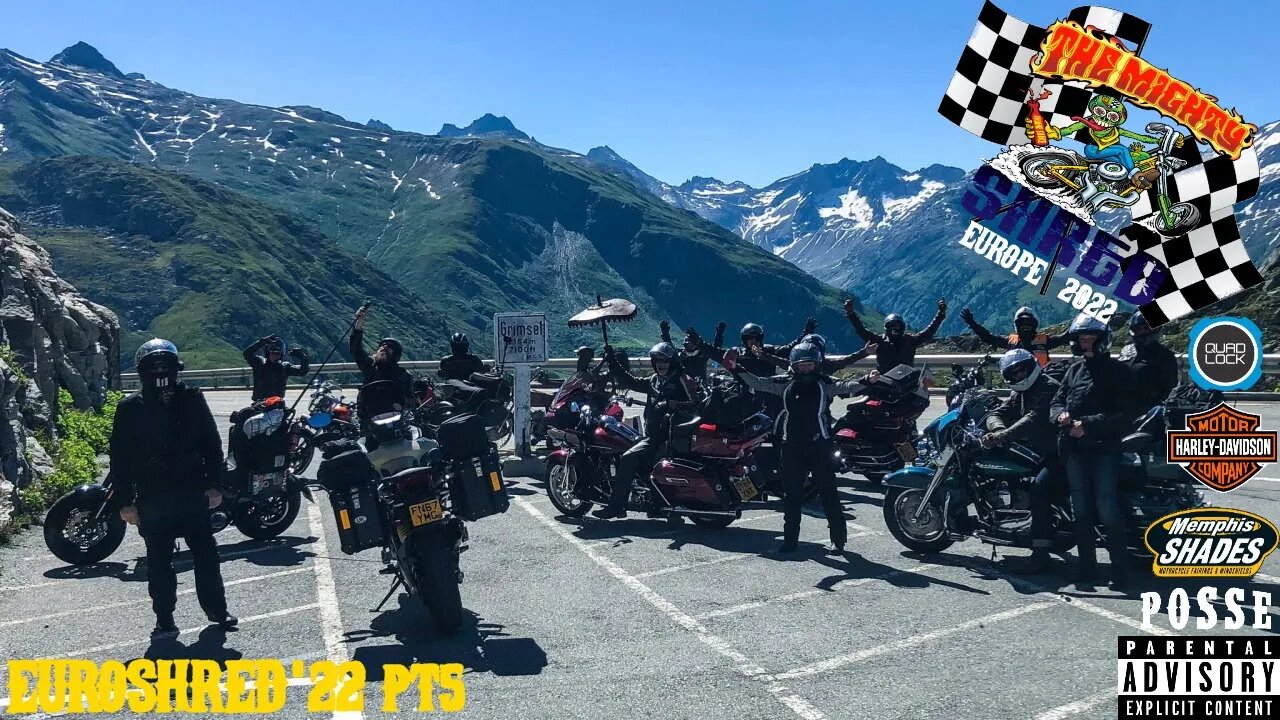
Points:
[(1222, 447), (1061, 100), (1210, 542)]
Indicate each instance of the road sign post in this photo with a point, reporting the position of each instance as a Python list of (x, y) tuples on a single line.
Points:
[(520, 339)]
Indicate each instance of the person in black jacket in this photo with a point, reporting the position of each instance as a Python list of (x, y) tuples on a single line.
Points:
[(1024, 418), (384, 364), (897, 346), (166, 458), (1154, 366), (694, 356), (803, 431), (1092, 411), (672, 398), (271, 373), (1026, 334), (460, 364)]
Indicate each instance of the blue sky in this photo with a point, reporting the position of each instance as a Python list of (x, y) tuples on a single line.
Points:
[(748, 90)]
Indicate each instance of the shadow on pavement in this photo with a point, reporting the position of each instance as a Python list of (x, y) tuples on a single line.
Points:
[(853, 566), (211, 644), (479, 646), (277, 552)]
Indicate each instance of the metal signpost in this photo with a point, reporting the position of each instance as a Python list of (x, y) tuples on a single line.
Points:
[(520, 339)]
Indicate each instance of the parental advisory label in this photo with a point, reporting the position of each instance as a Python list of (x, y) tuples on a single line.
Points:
[(1197, 677)]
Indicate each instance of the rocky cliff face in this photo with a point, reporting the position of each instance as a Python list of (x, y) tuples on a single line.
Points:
[(52, 338)]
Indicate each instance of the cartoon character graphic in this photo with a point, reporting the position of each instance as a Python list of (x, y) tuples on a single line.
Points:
[(1109, 173)]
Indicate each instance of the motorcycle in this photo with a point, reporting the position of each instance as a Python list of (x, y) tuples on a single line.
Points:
[(260, 496), (708, 476), (329, 416), (1103, 183), (998, 479), (393, 438), (875, 435), (488, 396), (967, 379)]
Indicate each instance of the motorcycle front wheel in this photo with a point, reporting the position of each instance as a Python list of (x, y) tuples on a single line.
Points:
[(1036, 169), (303, 452), (1185, 217), (562, 480), (928, 534), (438, 585), (267, 522), (73, 535)]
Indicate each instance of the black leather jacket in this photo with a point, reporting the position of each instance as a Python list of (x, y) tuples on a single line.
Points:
[(1024, 417), (892, 352), (461, 367), (163, 455), (1097, 391), (373, 371), (270, 378), (674, 396)]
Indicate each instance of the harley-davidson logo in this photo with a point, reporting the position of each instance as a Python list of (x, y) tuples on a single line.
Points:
[(1222, 447)]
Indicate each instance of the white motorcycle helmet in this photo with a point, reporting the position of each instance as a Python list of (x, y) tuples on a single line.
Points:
[(1020, 369)]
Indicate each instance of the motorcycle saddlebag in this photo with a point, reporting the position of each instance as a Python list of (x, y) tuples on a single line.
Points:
[(463, 436), (476, 486), (348, 469), (1186, 399), (355, 510)]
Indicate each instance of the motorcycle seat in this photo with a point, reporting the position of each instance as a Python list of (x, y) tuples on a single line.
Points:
[(686, 428), (1136, 441)]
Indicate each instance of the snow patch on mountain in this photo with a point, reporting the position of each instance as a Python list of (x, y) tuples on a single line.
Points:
[(852, 207)]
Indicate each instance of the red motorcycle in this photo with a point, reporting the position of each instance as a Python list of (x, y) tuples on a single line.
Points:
[(876, 434), (708, 476)]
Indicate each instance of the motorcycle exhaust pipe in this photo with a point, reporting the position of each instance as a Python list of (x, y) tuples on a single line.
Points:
[(690, 511)]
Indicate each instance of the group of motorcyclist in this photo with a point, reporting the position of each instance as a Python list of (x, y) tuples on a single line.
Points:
[(167, 431)]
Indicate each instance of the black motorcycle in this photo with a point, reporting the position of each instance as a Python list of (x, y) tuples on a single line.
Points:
[(998, 480), (967, 378), (875, 435), (260, 496), (417, 516)]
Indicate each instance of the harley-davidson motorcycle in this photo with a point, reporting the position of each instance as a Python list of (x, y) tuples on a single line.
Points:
[(875, 435), (329, 417)]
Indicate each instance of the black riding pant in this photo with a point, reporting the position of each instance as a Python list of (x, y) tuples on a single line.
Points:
[(800, 461), (640, 456), (160, 524)]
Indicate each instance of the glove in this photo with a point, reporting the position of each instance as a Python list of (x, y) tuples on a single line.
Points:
[(665, 327), (1029, 127), (661, 407), (942, 306), (810, 325), (848, 309), (721, 327), (966, 314)]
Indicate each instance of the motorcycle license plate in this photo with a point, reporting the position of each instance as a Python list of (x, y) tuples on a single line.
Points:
[(907, 452), (425, 512), (746, 488), (262, 482)]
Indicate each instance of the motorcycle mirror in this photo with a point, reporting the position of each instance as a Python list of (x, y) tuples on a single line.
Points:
[(574, 407)]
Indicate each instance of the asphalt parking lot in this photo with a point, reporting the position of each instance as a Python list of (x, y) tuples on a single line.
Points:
[(642, 618)]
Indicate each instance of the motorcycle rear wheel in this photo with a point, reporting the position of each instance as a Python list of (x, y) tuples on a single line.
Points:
[(926, 535), (71, 541), (261, 527), (1035, 168), (561, 480), (713, 522), (438, 586)]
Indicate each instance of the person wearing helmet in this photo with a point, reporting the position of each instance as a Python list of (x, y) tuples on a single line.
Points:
[(803, 431), (896, 346), (672, 397), (694, 355), (1092, 409), (166, 462), (384, 364), (270, 371), (1023, 418), (1026, 334), (460, 363), (1154, 366)]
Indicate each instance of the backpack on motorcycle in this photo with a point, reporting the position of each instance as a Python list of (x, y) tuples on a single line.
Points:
[(335, 448), (476, 486), (463, 436), (355, 509), (259, 439), (1185, 399)]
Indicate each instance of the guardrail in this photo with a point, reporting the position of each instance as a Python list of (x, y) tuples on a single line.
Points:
[(349, 374)]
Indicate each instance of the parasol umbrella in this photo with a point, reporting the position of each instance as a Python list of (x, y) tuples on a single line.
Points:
[(603, 313)]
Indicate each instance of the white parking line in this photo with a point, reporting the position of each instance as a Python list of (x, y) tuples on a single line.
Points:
[(690, 566), (188, 631), (126, 603), (327, 595), (858, 656), (791, 597), (1077, 707), (781, 693)]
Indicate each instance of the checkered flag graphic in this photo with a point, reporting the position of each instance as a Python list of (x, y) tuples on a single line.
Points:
[(1211, 185), (988, 91), (1206, 265)]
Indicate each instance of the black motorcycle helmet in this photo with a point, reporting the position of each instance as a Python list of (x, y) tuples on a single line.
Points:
[(817, 341), (459, 344), (663, 352), (806, 359), (752, 331), (1025, 321), (585, 356), (276, 345), (1086, 324), (1140, 328), (158, 364), (894, 326), (394, 349)]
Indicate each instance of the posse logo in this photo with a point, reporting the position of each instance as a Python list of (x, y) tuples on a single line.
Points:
[(1222, 447), (1210, 542), (1225, 353)]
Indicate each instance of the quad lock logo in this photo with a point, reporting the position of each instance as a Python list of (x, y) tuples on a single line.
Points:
[(1210, 542), (1225, 353), (1222, 447), (1035, 205)]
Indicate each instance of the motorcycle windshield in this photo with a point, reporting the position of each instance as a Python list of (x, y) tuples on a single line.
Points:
[(570, 386)]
